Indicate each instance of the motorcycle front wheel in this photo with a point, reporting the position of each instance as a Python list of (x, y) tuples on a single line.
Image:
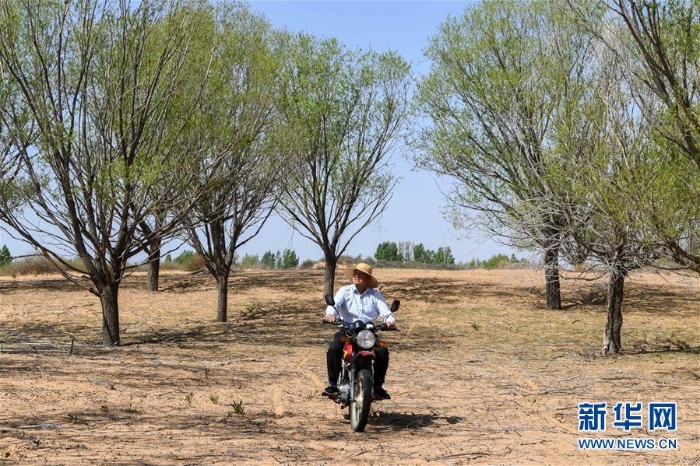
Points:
[(359, 407)]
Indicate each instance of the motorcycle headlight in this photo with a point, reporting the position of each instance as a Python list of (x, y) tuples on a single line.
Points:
[(366, 339)]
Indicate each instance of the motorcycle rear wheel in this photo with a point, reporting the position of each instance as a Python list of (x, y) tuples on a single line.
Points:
[(359, 407)]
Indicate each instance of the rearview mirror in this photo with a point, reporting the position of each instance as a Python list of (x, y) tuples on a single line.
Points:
[(395, 305), (329, 299)]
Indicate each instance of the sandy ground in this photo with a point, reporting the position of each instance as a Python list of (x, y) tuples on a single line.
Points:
[(481, 372)]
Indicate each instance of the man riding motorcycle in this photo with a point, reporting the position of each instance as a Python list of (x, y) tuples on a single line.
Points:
[(359, 301)]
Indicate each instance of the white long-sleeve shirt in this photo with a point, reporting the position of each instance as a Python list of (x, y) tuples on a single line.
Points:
[(353, 306)]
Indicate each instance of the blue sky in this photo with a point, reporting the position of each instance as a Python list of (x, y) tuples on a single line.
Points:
[(414, 213)]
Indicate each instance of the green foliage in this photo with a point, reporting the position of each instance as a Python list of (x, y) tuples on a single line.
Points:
[(408, 253), (388, 251), (169, 264), (423, 255), (286, 259), (444, 256), (184, 257), (238, 407), (342, 112), (496, 262), (504, 79), (278, 260), (189, 260), (238, 125), (660, 43), (249, 261), (5, 256), (268, 260), (104, 114), (289, 259)]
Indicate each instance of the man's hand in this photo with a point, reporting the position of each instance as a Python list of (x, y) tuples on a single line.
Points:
[(391, 325), (329, 318)]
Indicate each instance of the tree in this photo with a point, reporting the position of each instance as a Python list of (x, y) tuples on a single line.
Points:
[(268, 259), (443, 256), (250, 261), (238, 126), (5, 256), (615, 162), (665, 48), (660, 44), (501, 75), (278, 260), (10, 191), (405, 251), (96, 83), (289, 259), (387, 251), (420, 254), (343, 111)]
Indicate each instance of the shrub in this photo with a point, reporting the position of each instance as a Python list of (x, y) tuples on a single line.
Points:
[(496, 262), (344, 259), (189, 260), (184, 257), (367, 260), (249, 261), (5, 256), (76, 263), (168, 263), (307, 264), (195, 263), (32, 265)]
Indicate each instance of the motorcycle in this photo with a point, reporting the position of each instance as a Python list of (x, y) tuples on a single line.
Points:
[(356, 378)]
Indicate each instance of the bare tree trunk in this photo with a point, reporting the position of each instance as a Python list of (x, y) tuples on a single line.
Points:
[(329, 276), (110, 315), (153, 249), (153, 269), (222, 305), (613, 328), (551, 272)]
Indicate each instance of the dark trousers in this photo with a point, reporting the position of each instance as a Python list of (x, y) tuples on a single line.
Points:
[(335, 353)]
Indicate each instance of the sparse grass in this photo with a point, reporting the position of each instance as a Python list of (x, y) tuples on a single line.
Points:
[(39, 265), (507, 372), (34, 265), (238, 407)]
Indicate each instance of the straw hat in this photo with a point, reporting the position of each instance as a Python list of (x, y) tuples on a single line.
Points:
[(364, 268)]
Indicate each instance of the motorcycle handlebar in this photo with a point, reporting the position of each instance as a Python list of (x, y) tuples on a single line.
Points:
[(341, 323), (387, 329)]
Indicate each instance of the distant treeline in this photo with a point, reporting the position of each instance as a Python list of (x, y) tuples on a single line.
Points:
[(387, 256)]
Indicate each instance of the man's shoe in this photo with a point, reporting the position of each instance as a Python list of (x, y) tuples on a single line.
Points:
[(381, 394), (331, 391)]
